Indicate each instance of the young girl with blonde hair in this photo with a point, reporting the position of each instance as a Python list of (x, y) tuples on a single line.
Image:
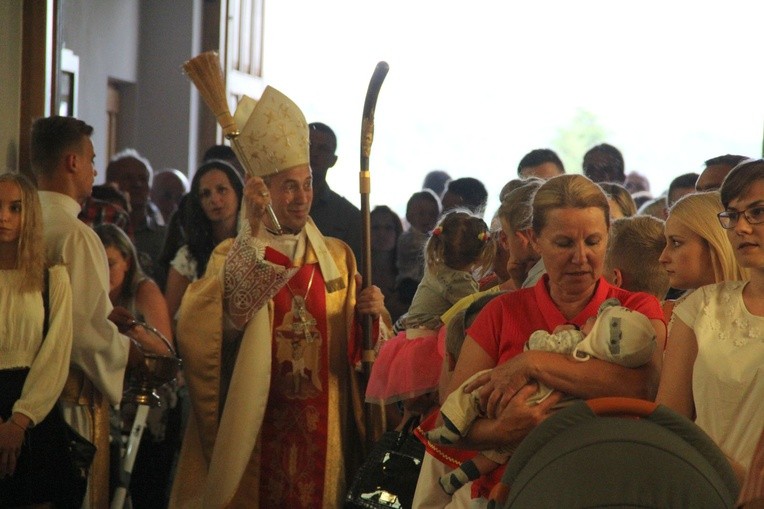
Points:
[(457, 254), (33, 364)]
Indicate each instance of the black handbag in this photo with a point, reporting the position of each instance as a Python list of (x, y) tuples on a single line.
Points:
[(75, 465), (388, 477), (52, 468)]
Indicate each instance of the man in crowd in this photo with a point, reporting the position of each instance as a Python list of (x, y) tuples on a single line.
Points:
[(276, 407), (716, 169), (334, 215), (168, 187), (436, 181), (132, 174), (466, 192), (543, 163), (604, 163), (680, 186)]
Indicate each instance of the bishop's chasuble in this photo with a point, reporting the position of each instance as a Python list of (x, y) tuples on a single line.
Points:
[(276, 416)]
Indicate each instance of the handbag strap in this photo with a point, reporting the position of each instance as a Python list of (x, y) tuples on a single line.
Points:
[(407, 430)]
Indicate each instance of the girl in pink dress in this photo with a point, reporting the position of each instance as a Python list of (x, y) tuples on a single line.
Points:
[(458, 251)]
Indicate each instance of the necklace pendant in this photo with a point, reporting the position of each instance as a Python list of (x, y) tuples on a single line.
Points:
[(304, 324)]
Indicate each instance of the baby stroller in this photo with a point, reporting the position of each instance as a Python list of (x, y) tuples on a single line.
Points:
[(616, 452)]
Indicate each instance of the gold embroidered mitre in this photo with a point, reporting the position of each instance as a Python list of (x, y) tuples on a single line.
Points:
[(273, 134)]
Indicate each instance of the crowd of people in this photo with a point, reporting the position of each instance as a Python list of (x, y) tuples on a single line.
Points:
[(483, 326)]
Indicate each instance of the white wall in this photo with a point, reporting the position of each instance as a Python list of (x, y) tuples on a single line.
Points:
[(105, 35), (165, 108), (10, 82), (141, 45)]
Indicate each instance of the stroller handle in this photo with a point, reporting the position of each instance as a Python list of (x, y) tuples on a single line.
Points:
[(616, 406)]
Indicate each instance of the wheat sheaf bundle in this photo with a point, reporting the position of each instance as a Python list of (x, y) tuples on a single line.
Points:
[(205, 72)]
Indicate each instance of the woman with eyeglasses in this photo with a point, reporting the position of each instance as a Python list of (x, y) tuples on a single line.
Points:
[(712, 369)]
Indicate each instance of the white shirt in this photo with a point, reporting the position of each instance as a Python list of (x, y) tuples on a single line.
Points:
[(98, 349), (728, 375), (185, 263), (22, 344)]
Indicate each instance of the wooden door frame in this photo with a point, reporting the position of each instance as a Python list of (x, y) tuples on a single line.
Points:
[(39, 61)]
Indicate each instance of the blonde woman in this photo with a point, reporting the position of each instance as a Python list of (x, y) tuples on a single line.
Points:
[(33, 364), (129, 286), (697, 251)]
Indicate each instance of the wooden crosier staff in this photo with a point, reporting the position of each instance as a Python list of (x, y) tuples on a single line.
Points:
[(367, 137), (205, 71)]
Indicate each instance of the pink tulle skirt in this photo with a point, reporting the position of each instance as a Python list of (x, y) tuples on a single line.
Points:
[(405, 368)]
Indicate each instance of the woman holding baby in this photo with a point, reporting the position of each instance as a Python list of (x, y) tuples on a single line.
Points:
[(570, 232)]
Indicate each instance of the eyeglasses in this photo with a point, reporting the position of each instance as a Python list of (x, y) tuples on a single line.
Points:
[(729, 218)]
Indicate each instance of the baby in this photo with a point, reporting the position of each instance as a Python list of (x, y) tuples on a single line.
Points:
[(617, 335)]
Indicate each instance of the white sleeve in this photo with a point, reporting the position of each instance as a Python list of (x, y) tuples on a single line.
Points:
[(249, 281), (688, 308), (50, 367), (184, 263), (98, 349)]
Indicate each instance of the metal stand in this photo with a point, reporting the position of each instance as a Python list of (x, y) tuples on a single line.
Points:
[(157, 371), (139, 424)]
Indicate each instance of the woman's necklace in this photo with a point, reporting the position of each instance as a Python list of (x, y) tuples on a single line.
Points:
[(302, 322)]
